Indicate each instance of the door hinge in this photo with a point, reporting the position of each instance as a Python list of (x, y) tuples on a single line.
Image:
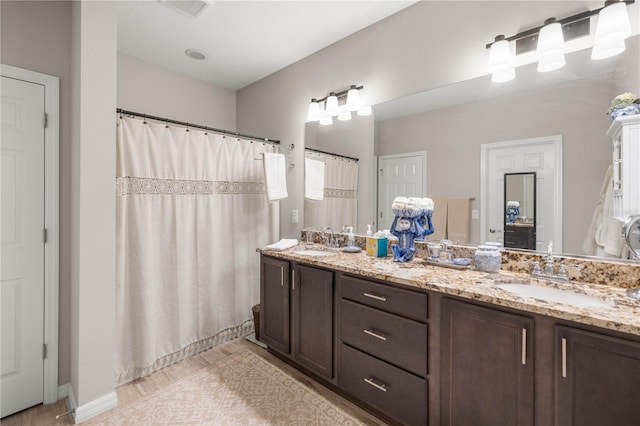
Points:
[(44, 351), (45, 120), (44, 235)]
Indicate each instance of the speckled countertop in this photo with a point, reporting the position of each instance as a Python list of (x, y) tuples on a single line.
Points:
[(623, 313)]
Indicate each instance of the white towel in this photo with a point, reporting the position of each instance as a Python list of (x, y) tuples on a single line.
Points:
[(283, 244), (313, 179), (275, 176)]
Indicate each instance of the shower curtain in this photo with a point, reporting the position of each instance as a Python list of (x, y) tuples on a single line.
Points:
[(340, 204), (191, 211)]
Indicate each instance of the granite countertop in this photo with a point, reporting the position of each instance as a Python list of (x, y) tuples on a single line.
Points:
[(622, 315)]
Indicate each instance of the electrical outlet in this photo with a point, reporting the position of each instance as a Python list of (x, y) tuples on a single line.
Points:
[(474, 214), (294, 216)]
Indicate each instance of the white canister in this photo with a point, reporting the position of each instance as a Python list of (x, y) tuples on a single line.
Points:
[(488, 258)]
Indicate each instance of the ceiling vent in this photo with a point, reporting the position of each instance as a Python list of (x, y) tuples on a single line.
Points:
[(189, 8)]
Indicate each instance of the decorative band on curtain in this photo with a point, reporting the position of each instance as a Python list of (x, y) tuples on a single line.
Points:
[(191, 210)]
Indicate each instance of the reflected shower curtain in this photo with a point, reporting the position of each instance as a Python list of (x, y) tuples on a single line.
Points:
[(191, 210), (340, 204)]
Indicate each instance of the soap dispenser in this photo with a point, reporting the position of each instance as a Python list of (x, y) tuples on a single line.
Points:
[(369, 231)]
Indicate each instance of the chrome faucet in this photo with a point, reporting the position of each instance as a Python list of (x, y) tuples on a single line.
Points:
[(549, 268), (329, 241)]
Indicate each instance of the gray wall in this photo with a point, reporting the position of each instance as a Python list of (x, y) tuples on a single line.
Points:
[(428, 45)]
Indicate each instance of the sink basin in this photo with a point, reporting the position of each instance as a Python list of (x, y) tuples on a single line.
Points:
[(311, 252), (555, 295)]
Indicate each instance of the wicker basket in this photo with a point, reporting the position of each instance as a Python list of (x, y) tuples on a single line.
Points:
[(256, 319)]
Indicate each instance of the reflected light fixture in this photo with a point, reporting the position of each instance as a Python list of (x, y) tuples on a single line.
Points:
[(337, 104), (548, 40), (550, 48), (613, 28), (500, 63)]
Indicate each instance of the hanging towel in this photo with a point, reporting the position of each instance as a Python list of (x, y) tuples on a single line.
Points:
[(439, 219), (590, 245), (275, 176), (458, 219), (313, 179)]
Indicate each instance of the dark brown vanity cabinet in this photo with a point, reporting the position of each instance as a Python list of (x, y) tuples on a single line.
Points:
[(487, 366), (597, 379), (382, 352), (297, 311)]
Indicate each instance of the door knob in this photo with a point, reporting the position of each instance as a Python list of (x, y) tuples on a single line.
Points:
[(493, 230)]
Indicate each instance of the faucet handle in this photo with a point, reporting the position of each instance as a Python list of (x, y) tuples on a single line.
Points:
[(536, 271)]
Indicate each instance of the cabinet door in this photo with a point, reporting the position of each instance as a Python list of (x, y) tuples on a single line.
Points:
[(597, 379), (274, 304), (312, 319), (487, 366)]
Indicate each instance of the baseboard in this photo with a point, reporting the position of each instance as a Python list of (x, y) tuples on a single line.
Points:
[(90, 409)]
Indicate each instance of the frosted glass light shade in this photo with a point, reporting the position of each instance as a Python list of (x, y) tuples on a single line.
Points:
[(364, 110), (550, 49), (500, 64), (353, 99), (326, 120), (313, 113), (603, 51), (344, 114), (613, 25), (331, 107)]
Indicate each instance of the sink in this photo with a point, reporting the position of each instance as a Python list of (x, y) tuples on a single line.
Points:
[(556, 295), (312, 252)]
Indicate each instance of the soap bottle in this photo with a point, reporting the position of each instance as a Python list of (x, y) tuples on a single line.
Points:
[(369, 231), (350, 236)]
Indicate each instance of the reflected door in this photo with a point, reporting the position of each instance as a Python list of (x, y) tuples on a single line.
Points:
[(539, 155), (400, 175)]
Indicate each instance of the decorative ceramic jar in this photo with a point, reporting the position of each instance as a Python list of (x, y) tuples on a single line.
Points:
[(488, 258), (632, 109)]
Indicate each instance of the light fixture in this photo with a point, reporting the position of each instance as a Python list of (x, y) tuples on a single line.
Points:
[(353, 98), (500, 64), (337, 104), (613, 28), (196, 54), (314, 110), (331, 108), (549, 39)]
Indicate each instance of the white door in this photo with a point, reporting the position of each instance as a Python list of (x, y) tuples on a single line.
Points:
[(540, 155), (400, 175), (22, 250)]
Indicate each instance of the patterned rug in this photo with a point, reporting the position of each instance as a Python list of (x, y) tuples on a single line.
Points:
[(243, 389)]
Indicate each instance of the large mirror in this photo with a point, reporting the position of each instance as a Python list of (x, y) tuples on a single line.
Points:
[(451, 124), (520, 210)]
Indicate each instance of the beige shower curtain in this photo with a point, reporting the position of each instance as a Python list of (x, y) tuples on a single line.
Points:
[(191, 210), (339, 206)]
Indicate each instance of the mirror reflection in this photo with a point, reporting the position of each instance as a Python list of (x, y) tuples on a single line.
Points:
[(520, 211)]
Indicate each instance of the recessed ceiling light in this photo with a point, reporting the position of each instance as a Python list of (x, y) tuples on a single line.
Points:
[(196, 54)]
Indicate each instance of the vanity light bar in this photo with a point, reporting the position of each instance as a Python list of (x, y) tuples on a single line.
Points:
[(334, 109)]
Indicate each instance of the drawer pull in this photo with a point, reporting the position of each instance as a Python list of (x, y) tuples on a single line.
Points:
[(293, 279), (375, 296), (524, 346), (381, 387), (282, 276), (374, 334), (564, 357)]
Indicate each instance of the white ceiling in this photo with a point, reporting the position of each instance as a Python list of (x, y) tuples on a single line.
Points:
[(244, 40)]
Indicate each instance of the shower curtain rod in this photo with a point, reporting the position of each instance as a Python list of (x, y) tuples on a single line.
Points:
[(331, 153), (196, 126)]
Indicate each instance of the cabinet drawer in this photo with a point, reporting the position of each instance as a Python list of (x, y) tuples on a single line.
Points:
[(401, 395), (411, 304), (400, 341)]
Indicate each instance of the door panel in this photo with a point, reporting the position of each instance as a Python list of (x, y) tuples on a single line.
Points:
[(22, 276), (400, 176)]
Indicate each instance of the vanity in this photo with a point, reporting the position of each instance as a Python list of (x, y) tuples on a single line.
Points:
[(420, 344)]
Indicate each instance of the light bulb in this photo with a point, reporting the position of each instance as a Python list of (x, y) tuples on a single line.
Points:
[(331, 107), (353, 98), (550, 49), (313, 113)]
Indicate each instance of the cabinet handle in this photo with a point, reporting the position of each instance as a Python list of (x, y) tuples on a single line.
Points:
[(282, 276), (381, 387), (564, 357), (375, 296), (376, 335), (293, 279), (524, 346)]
